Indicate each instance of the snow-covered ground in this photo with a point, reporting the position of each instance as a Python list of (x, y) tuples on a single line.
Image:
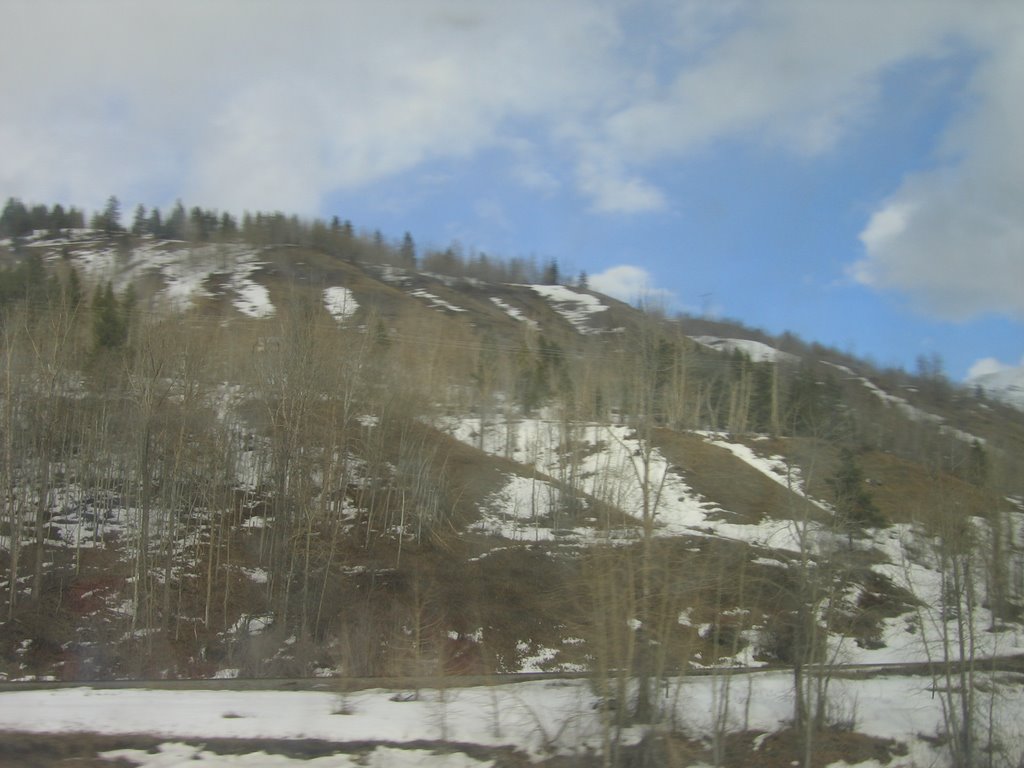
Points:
[(577, 308), (757, 351), (1005, 384), (540, 718), (340, 303), (514, 312), (186, 271), (607, 464), (436, 302)]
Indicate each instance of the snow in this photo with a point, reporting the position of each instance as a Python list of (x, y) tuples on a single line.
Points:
[(755, 350), (514, 312), (185, 272), (516, 511), (251, 299), (775, 467), (393, 275), (340, 303), (608, 468), (173, 754), (537, 717), (912, 412), (1006, 385), (436, 302), (577, 308)]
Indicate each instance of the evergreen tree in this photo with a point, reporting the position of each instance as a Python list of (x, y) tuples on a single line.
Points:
[(15, 221), (855, 509), (109, 319), (551, 276), (156, 223), (76, 219), (140, 224), (73, 289), (407, 252), (228, 226), (58, 220), (977, 464), (814, 405), (761, 397), (109, 219), (39, 217), (198, 225), (176, 226)]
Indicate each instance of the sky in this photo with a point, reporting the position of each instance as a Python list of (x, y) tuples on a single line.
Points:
[(847, 170)]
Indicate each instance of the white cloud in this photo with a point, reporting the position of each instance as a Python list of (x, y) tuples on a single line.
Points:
[(275, 105), (792, 74), (629, 283), (952, 237)]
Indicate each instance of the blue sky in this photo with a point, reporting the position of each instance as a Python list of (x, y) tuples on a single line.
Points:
[(844, 169)]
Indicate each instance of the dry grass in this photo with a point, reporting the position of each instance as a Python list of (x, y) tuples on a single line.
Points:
[(729, 482)]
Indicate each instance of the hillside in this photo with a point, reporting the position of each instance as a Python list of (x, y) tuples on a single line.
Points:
[(242, 459)]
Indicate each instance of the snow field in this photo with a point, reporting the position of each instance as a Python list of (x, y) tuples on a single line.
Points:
[(172, 755), (755, 350), (540, 718), (608, 467), (514, 312), (576, 308), (340, 303)]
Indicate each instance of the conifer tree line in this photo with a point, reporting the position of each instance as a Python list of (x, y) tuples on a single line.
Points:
[(335, 236)]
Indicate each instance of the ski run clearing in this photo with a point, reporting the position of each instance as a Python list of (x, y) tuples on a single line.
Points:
[(576, 308), (609, 470)]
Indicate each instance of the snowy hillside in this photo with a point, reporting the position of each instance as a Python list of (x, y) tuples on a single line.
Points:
[(233, 462), (1006, 385), (757, 351)]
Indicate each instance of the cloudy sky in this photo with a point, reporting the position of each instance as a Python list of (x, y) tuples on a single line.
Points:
[(849, 170)]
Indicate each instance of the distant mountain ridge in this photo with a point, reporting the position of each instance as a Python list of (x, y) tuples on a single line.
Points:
[(1006, 385)]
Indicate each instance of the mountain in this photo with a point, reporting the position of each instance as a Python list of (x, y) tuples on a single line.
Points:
[(269, 457), (1006, 385)]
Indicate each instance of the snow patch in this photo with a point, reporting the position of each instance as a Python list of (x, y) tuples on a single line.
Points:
[(514, 312), (577, 308), (436, 302), (340, 303), (755, 350)]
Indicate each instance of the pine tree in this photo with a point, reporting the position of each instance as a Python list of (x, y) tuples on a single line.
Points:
[(140, 225), (109, 320), (156, 223), (15, 221), (407, 252), (551, 275), (176, 223), (109, 220), (855, 509), (58, 220)]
